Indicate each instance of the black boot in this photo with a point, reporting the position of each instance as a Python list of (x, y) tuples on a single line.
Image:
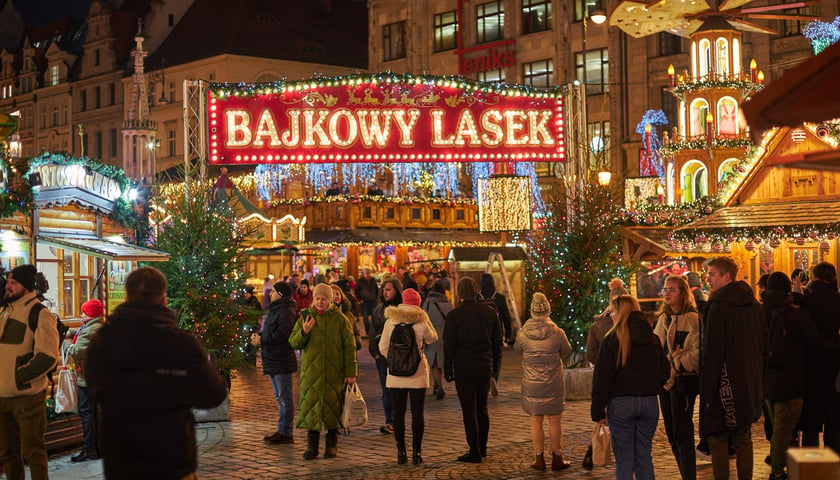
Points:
[(312, 438), (416, 459), (331, 449), (402, 457)]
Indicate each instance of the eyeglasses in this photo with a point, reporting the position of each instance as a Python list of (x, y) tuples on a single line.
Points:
[(668, 290)]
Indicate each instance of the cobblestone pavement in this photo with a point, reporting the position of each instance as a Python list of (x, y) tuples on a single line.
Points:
[(235, 450)]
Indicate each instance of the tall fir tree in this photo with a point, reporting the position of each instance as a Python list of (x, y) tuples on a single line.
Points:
[(573, 254), (205, 270)]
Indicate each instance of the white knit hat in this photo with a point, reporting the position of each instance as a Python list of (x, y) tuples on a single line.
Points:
[(540, 306)]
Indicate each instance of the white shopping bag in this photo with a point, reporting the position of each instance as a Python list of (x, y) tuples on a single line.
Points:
[(66, 396), (354, 413)]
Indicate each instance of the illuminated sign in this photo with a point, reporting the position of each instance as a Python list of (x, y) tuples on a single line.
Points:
[(56, 177), (390, 119)]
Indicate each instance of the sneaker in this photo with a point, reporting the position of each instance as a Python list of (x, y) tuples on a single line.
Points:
[(278, 438), (387, 428), (84, 456)]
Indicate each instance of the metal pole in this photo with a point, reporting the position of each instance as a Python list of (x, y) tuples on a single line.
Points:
[(584, 136)]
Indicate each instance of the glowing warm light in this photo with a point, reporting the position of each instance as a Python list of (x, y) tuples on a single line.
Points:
[(604, 178), (504, 204)]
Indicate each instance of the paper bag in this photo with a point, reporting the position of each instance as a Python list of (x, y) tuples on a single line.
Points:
[(66, 397), (601, 448)]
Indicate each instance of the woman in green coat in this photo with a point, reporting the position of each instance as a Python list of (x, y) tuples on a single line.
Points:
[(327, 360)]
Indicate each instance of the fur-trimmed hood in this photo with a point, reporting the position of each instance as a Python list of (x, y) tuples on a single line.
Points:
[(406, 314)]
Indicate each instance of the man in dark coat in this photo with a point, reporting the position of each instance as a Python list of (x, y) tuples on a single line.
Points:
[(278, 358), (472, 353), (733, 350), (822, 402), (145, 374), (366, 292), (490, 295)]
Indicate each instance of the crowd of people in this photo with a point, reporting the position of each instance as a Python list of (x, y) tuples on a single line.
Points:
[(774, 354)]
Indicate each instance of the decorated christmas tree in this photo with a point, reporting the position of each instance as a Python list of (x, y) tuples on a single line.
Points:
[(573, 254), (205, 270)]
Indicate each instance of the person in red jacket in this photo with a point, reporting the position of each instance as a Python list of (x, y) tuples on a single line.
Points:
[(303, 295)]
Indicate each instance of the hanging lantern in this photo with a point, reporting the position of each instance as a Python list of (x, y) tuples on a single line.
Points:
[(824, 246), (774, 243), (504, 203), (749, 246), (812, 235)]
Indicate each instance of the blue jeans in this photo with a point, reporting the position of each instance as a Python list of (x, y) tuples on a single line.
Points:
[(367, 314), (282, 385), (387, 405), (632, 422)]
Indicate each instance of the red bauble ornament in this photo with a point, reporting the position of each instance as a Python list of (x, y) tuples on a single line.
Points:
[(774, 243), (824, 246), (800, 241), (749, 246)]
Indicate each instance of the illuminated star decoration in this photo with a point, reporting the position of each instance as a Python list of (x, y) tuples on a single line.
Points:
[(653, 118), (822, 34)]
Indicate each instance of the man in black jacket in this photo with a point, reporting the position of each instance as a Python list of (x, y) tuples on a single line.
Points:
[(821, 409), (278, 358), (366, 292), (472, 352), (732, 357), (145, 374)]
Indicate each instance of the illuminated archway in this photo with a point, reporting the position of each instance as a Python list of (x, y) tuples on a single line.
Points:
[(694, 181), (726, 169), (699, 109), (705, 57), (727, 116), (722, 56)]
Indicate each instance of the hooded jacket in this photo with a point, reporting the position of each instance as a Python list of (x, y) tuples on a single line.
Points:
[(424, 333), (26, 355), (377, 318), (278, 356), (437, 306), (327, 357), (543, 346), (78, 350), (790, 334), (145, 374), (472, 340), (733, 349), (647, 368), (489, 294)]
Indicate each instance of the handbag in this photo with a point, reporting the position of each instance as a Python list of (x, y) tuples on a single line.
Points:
[(66, 396), (601, 447), (354, 413)]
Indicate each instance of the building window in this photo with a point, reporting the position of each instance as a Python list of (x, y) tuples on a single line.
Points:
[(669, 44), (112, 94), (113, 142), (597, 70), (171, 141), (54, 116), (794, 27), (598, 134), (590, 5), (446, 31), (393, 41), (97, 99), (490, 21), (54, 75), (97, 141), (83, 99), (536, 15), (537, 74), (96, 57), (497, 75)]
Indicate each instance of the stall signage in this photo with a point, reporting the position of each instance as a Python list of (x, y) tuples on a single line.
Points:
[(376, 122), (55, 176)]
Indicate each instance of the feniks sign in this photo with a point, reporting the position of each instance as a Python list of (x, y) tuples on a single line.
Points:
[(383, 118)]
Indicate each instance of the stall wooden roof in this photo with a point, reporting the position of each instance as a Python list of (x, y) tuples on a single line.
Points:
[(769, 215)]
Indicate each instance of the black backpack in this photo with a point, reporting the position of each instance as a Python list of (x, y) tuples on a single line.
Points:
[(403, 354), (59, 325)]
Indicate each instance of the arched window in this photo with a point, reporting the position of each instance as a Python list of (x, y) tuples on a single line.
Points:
[(682, 121), (722, 54), (693, 60), (694, 181), (726, 169), (705, 57), (727, 116), (670, 182), (699, 109), (736, 57), (267, 77)]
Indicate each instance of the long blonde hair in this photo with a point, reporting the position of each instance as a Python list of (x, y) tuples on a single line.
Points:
[(623, 305)]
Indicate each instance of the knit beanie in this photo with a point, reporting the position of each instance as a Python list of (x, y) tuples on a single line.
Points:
[(617, 289), (778, 281), (410, 296), (323, 290), (540, 306), (283, 288), (92, 308), (693, 279), (24, 275)]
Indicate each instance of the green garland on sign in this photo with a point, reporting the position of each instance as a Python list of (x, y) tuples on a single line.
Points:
[(675, 215), (687, 87), (64, 158)]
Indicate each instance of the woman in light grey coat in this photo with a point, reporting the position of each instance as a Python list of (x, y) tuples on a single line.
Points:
[(437, 306), (543, 346)]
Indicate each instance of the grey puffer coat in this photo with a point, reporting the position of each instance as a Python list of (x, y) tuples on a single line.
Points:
[(543, 346)]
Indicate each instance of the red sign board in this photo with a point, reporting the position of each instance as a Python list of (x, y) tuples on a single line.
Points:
[(374, 121)]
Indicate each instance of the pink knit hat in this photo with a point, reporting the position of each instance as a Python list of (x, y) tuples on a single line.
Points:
[(410, 296)]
